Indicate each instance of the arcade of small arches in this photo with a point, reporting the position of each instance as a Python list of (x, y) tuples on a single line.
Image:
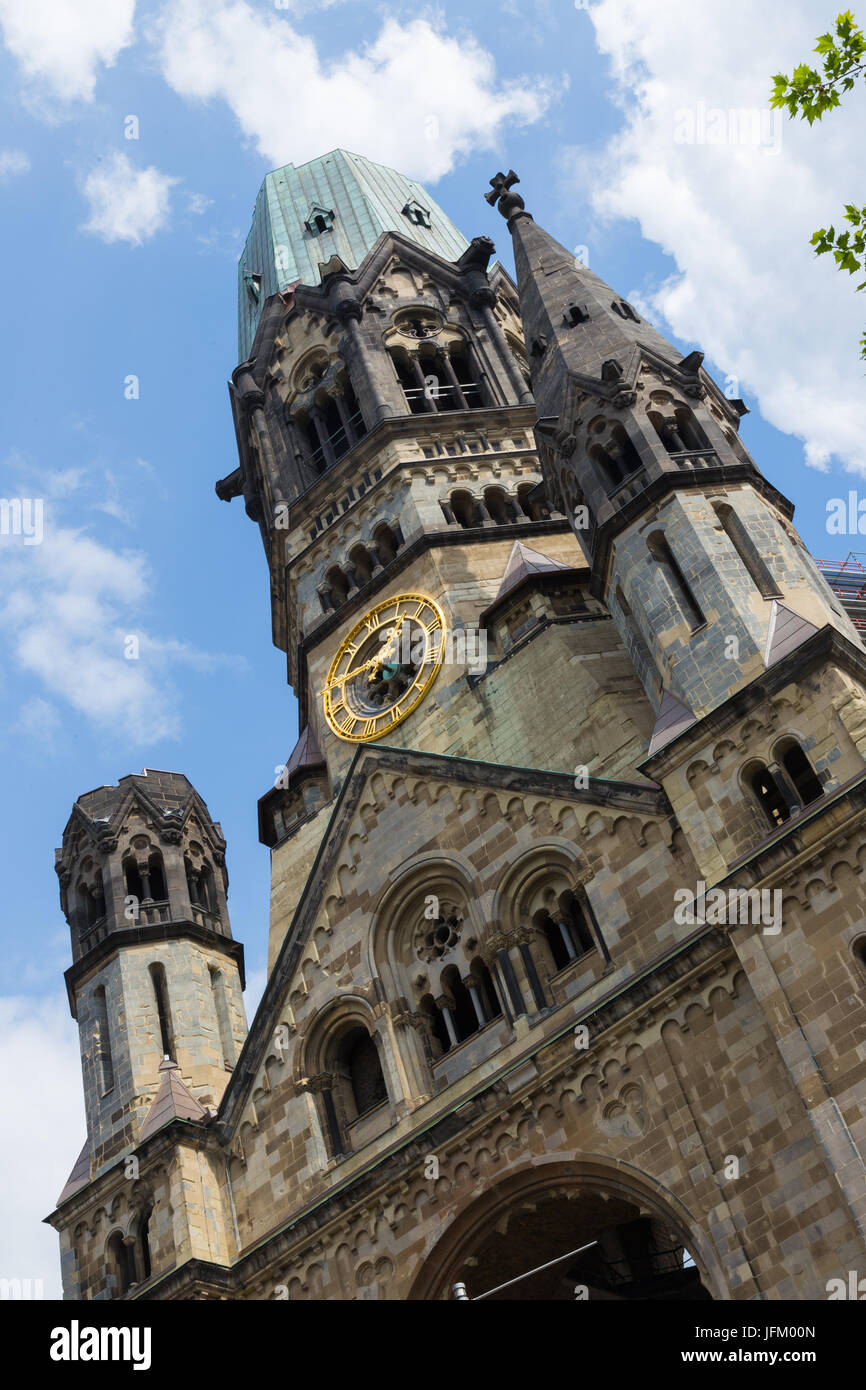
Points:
[(615, 446), (495, 506), (362, 564), (446, 981)]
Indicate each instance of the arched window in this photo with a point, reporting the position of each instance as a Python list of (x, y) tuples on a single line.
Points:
[(207, 887), (623, 451), (356, 424), (410, 378), (664, 556), (362, 563), (805, 781), (361, 1059), (338, 586), (144, 1244), (119, 1271), (463, 1013), (357, 1085), (536, 511), (482, 981), (193, 881), (163, 1008), (565, 929), (465, 509), (769, 795), (310, 441), (86, 909), (497, 505), (438, 1028), (746, 549), (386, 543), (468, 376), (609, 466), (132, 879), (689, 430), (858, 950), (221, 1008), (335, 431), (156, 873), (102, 1041)]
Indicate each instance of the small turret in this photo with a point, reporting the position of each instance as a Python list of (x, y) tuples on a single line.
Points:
[(155, 970)]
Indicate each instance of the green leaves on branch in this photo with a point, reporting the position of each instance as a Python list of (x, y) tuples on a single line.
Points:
[(848, 247), (811, 93)]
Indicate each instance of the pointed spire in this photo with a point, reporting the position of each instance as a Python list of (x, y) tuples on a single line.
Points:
[(79, 1177), (673, 718), (173, 1101), (787, 631), (306, 754), (522, 562)]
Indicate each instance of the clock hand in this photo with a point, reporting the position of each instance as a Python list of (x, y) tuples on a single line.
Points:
[(355, 671)]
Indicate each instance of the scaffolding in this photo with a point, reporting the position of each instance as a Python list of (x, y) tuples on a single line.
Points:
[(848, 582)]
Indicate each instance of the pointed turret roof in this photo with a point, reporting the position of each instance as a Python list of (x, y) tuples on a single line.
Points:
[(787, 631), (172, 1102), (523, 564), (305, 754), (79, 1177), (673, 718)]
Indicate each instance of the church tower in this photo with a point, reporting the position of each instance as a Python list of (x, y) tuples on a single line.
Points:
[(567, 946), (156, 980), (384, 421)]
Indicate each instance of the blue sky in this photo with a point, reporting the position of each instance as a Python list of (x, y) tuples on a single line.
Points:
[(120, 261)]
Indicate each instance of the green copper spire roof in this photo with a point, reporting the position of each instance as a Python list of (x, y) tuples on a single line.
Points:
[(338, 204)]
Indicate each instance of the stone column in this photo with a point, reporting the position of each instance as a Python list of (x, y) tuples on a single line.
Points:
[(344, 419), (322, 436), (420, 377), (176, 884), (451, 378), (566, 940), (484, 299), (476, 1001), (449, 1021), (349, 314)]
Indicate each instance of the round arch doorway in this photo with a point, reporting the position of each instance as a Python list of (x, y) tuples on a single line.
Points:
[(639, 1246)]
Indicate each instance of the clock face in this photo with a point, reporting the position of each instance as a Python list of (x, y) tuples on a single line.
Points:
[(384, 667)]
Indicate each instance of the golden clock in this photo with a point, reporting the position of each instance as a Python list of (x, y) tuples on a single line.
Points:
[(384, 667)]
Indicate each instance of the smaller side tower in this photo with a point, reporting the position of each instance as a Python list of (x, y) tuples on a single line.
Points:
[(155, 970)]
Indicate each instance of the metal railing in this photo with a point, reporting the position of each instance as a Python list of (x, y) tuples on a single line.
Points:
[(339, 442), (443, 393)]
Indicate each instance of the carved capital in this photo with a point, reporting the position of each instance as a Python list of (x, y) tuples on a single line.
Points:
[(349, 309), (483, 298)]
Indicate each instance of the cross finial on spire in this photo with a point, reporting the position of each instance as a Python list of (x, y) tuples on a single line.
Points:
[(508, 203)]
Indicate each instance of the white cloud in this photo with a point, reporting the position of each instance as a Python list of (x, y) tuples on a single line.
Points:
[(13, 162), (68, 607), (61, 44), (198, 203), (39, 1059), (736, 217), (415, 98), (127, 204)]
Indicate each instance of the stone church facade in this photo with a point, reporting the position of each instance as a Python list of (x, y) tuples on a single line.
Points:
[(567, 953)]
